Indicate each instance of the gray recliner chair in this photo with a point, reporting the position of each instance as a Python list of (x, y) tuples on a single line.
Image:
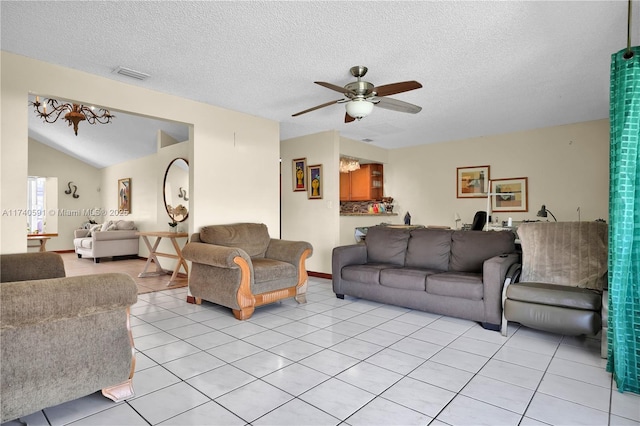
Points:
[(559, 285)]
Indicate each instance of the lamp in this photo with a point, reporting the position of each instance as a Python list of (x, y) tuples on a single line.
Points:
[(75, 113), (348, 164), (543, 212), (358, 108)]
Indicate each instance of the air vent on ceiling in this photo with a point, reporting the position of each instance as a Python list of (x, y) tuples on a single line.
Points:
[(367, 140), (128, 72)]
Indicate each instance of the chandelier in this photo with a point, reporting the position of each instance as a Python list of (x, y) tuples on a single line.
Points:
[(75, 113), (348, 164)]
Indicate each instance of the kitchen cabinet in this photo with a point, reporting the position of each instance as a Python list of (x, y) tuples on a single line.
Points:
[(363, 184)]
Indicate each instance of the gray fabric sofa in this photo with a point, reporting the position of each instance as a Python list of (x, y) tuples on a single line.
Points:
[(111, 239), (61, 338), (455, 273), (241, 267)]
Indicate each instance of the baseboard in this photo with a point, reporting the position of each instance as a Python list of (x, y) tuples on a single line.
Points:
[(62, 251), (319, 275)]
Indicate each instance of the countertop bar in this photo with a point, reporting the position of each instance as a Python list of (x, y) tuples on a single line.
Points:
[(368, 214)]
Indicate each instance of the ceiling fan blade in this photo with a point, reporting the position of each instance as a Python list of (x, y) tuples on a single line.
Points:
[(348, 118), (396, 105), (392, 89), (334, 87), (315, 108)]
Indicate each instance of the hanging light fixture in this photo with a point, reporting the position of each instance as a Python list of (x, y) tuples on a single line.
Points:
[(348, 164), (75, 113), (358, 108)]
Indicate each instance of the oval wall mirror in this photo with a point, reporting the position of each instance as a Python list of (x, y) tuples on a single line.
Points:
[(176, 189)]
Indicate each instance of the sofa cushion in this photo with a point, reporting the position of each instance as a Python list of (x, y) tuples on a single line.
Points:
[(465, 285), (555, 295), (369, 273), (253, 238), (386, 245), (405, 278), (270, 275), (469, 249), (82, 243), (429, 248)]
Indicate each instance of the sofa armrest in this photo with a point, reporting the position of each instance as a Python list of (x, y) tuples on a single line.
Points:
[(81, 233), (355, 254), (30, 266), (287, 251), (494, 271), (115, 235), (26, 303), (214, 255)]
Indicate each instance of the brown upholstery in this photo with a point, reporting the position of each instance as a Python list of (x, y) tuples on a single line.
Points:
[(240, 266)]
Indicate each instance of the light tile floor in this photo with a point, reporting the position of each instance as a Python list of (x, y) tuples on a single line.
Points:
[(348, 362)]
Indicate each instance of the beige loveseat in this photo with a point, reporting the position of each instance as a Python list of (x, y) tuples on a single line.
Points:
[(110, 239), (240, 266), (61, 338)]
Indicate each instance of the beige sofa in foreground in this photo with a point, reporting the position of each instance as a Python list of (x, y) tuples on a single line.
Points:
[(61, 338)]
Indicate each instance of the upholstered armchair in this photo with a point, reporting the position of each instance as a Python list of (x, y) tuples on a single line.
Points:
[(559, 285), (61, 338), (241, 267)]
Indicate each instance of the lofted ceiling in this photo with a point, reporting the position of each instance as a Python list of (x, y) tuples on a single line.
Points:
[(487, 67)]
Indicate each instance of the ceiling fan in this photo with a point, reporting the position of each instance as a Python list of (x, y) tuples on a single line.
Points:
[(361, 96)]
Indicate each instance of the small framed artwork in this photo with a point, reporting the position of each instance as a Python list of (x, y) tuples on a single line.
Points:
[(299, 174), (472, 182), (124, 195), (509, 195), (315, 181)]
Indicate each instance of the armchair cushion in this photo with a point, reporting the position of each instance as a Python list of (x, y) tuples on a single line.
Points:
[(556, 295), (253, 238)]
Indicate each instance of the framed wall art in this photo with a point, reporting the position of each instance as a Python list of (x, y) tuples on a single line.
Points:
[(124, 195), (315, 181), (509, 195), (472, 182), (299, 174)]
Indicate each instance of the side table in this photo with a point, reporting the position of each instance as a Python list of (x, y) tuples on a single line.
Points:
[(154, 253)]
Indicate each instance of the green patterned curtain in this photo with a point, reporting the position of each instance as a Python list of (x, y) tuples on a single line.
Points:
[(624, 217)]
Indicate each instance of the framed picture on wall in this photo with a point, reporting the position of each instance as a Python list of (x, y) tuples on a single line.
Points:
[(299, 174), (472, 182), (509, 195), (124, 195), (315, 182)]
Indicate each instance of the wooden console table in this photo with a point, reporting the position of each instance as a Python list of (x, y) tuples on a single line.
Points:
[(154, 253), (43, 238)]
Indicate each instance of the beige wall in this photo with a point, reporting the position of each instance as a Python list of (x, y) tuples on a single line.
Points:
[(315, 221), (567, 167), (47, 162), (234, 156)]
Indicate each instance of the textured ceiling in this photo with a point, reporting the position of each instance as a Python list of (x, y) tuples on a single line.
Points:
[(486, 67)]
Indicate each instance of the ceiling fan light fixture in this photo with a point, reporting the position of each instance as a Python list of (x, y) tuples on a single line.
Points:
[(358, 108)]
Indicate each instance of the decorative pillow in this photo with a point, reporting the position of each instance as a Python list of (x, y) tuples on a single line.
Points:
[(125, 225), (112, 227), (105, 226), (93, 229)]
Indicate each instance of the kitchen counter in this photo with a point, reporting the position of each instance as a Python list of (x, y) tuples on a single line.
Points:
[(369, 214)]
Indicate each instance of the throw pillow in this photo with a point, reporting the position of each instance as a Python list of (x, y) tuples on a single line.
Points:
[(112, 227), (125, 225), (93, 229), (105, 226)]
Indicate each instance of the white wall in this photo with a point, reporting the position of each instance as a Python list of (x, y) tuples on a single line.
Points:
[(46, 161), (315, 221), (567, 167), (234, 156)]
